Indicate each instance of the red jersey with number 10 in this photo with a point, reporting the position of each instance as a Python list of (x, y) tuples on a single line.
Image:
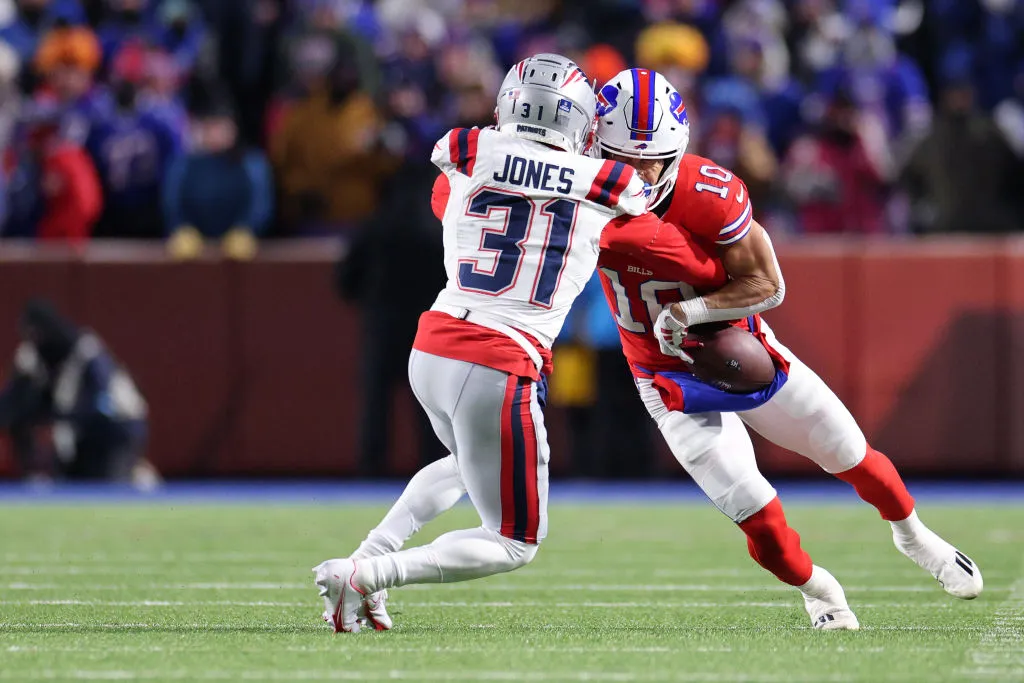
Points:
[(709, 207)]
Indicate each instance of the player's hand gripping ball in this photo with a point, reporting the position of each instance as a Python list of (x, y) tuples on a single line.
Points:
[(671, 334)]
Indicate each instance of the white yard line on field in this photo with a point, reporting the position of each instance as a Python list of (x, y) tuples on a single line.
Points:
[(922, 586), (28, 626), (403, 604), (417, 675), (330, 646), (999, 655), (129, 568), (154, 557), (271, 569)]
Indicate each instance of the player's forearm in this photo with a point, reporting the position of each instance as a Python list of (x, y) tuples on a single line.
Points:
[(738, 299), (755, 284)]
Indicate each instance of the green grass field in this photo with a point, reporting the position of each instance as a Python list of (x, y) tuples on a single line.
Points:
[(618, 593)]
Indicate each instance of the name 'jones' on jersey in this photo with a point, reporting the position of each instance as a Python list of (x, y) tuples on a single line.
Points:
[(535, 174)]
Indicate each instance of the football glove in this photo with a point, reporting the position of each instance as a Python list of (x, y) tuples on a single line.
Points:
[(671, 335)]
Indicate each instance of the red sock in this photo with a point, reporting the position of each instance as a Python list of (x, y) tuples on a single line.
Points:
[(877, 482), (775, 546)]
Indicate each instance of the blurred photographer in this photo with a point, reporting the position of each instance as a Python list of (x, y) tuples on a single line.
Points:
[(64, 378)]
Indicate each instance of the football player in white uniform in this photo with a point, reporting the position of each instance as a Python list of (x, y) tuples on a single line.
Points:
[(638, 111), (801, 414), (521, 237)]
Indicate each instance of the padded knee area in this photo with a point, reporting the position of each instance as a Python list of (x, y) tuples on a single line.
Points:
[(519, 553)]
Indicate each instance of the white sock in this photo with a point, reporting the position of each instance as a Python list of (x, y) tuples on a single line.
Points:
[(822, 585), (908, 528), (431, 491), (456, 556)]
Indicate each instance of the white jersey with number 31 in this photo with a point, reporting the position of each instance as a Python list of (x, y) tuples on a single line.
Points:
[(523, 224)]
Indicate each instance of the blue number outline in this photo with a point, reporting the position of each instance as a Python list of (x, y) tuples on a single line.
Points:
[(508, 243), (477, 208)]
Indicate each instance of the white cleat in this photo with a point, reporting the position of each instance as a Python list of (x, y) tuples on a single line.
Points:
[(826, 604), (343, 601), (376, 608), (954, 571)]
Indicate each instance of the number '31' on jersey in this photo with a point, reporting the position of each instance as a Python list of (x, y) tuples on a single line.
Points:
[(522, 224)]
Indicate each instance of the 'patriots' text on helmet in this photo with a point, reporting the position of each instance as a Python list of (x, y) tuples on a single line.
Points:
[(641, 116), (547, 98)]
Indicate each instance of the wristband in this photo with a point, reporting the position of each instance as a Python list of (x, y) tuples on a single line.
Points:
[(695, 311)]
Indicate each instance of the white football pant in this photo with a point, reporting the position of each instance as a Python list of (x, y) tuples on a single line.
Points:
[(805, 416), (493, 425)]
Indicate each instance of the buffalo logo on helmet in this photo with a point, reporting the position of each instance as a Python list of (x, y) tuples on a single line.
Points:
[(677, 107), (607, 99)]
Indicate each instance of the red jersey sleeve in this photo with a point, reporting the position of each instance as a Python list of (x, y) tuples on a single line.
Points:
[(714, 202), (439, 195)]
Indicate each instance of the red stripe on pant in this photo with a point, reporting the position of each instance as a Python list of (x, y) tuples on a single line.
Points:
[(520, 514), (530, 440), (507, 492)]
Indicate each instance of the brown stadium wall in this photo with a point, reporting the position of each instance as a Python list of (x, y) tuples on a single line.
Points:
[(253, 369)]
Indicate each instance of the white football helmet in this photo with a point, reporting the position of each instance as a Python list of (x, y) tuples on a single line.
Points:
[(641, 116), (547, 98)]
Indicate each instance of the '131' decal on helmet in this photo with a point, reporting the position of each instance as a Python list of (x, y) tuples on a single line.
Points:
[(607, 99)]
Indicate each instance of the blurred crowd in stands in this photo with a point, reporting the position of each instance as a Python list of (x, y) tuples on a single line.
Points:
[(190, 120), (226, 121)]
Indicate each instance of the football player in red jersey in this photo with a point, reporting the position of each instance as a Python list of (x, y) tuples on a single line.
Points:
[(642, 121)]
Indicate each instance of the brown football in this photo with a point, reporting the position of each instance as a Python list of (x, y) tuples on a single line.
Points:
[(730, 359)]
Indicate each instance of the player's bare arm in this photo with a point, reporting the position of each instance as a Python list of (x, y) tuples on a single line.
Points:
[(755, 283), (755, 279)]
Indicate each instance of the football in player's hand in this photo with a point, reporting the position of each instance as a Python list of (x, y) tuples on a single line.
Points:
[(730, 358)]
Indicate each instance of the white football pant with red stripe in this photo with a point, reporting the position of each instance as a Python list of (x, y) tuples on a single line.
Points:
[(493, 425)]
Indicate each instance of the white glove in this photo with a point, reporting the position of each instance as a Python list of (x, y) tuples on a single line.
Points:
[(671, 333)]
